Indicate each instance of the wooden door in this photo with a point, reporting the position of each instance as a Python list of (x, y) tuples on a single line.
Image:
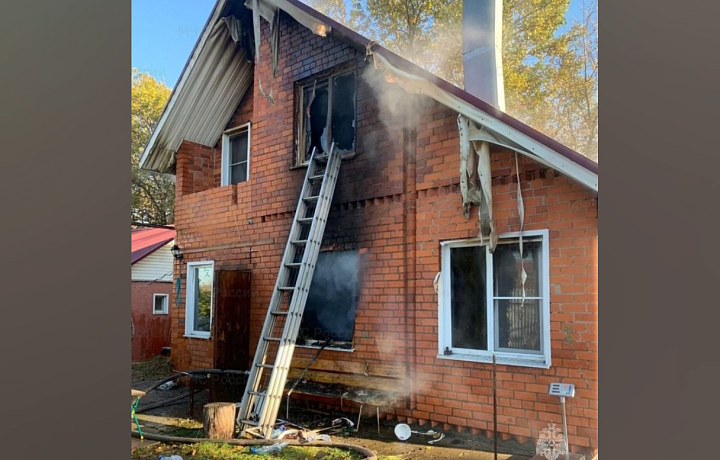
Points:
[(232, 333)]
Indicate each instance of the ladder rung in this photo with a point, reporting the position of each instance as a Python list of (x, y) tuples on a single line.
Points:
[(300, 242), (265, 366), (311, 198), (279, 313), (318, 177), (286, 288), (305, 220), (321, 158), (272, 339), (293, 264), (257, 393), (250, 422)]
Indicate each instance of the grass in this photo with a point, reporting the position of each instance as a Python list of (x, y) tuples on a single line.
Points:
[(186, 432), (156, 368), (212, 451)]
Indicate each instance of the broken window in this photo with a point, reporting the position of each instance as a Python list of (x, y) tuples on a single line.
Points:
[(235, 155), (496, 303), (332, 300), (326, 115)]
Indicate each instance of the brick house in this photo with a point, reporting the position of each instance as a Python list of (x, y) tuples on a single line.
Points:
[(151, 287), (410, 278)]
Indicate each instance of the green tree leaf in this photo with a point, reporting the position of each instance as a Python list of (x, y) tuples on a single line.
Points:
[(153, 194)]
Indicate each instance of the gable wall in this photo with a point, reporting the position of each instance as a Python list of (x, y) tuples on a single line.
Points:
[(395, 201), (157, 266)]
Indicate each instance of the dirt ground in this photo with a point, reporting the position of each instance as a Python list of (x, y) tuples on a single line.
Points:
[(175, 419)]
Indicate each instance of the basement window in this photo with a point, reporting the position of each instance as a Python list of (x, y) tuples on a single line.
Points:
[(327, 110), (482, 310), (235, 155), (199, 299), (160, 304), (332, 301)]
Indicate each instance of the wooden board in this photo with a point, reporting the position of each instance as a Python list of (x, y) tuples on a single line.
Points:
[(386, 370), (353, 380)]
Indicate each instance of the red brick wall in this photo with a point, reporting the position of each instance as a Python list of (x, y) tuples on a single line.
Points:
[(397, 199), (152, 332)]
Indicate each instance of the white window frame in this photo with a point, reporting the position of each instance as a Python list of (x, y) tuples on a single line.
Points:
[(514, 358), (190, 300), (167, 303), (225, 166)]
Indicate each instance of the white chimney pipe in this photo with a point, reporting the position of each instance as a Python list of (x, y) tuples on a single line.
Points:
[(482, 50)]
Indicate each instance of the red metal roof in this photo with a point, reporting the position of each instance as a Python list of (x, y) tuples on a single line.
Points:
[(146, 240), (408, 66)]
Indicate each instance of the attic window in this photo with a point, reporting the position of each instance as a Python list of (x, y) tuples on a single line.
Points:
[(327, 114)]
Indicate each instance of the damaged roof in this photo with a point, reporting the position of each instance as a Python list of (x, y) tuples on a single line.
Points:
[(204, 99), (146, 240)]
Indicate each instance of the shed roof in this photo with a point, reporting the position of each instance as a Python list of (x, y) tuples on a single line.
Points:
[(146, 240)]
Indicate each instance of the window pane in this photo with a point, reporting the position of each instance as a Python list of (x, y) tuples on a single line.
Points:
[(315, 117), (506, 268), (203, 298), (343, 115), (238, 173), (468, 298), (160, 303), (331, 302), (238, 148), (518, 324)]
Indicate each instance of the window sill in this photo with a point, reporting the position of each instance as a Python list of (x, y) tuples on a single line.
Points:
[(315, 347), (197, 336), (507, 360), (159, 313), (344, 156)]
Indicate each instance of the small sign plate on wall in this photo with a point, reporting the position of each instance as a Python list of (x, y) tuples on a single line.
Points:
[(562, 389)]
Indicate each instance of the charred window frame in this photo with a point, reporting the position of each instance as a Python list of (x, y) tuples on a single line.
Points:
[(331, 306), (326, 112)]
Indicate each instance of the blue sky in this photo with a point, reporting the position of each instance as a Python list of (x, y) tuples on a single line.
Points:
[(165, 31)]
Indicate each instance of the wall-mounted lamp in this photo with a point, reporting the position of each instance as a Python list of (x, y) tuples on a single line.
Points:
[(176, 252)]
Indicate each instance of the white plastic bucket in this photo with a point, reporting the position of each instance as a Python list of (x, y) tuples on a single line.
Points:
[(402, 431)]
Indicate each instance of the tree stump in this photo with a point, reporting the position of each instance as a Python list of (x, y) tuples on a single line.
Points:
[(219, 420)]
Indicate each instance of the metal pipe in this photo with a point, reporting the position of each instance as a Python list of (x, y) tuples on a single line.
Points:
[(567, 444), (482, 50), (494, 373)]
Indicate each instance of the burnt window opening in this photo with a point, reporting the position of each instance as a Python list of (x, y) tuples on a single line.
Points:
[(331, 305), (327, 114)]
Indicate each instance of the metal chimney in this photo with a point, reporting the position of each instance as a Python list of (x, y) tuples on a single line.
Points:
[(482, 50)]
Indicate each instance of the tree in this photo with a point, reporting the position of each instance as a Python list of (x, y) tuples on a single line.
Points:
[(550, 70), (153, 194), (551, 75)]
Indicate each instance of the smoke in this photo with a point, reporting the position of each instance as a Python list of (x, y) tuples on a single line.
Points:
[(396, 110)]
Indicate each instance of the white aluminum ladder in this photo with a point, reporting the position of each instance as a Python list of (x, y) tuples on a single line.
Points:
[(264, 390)]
